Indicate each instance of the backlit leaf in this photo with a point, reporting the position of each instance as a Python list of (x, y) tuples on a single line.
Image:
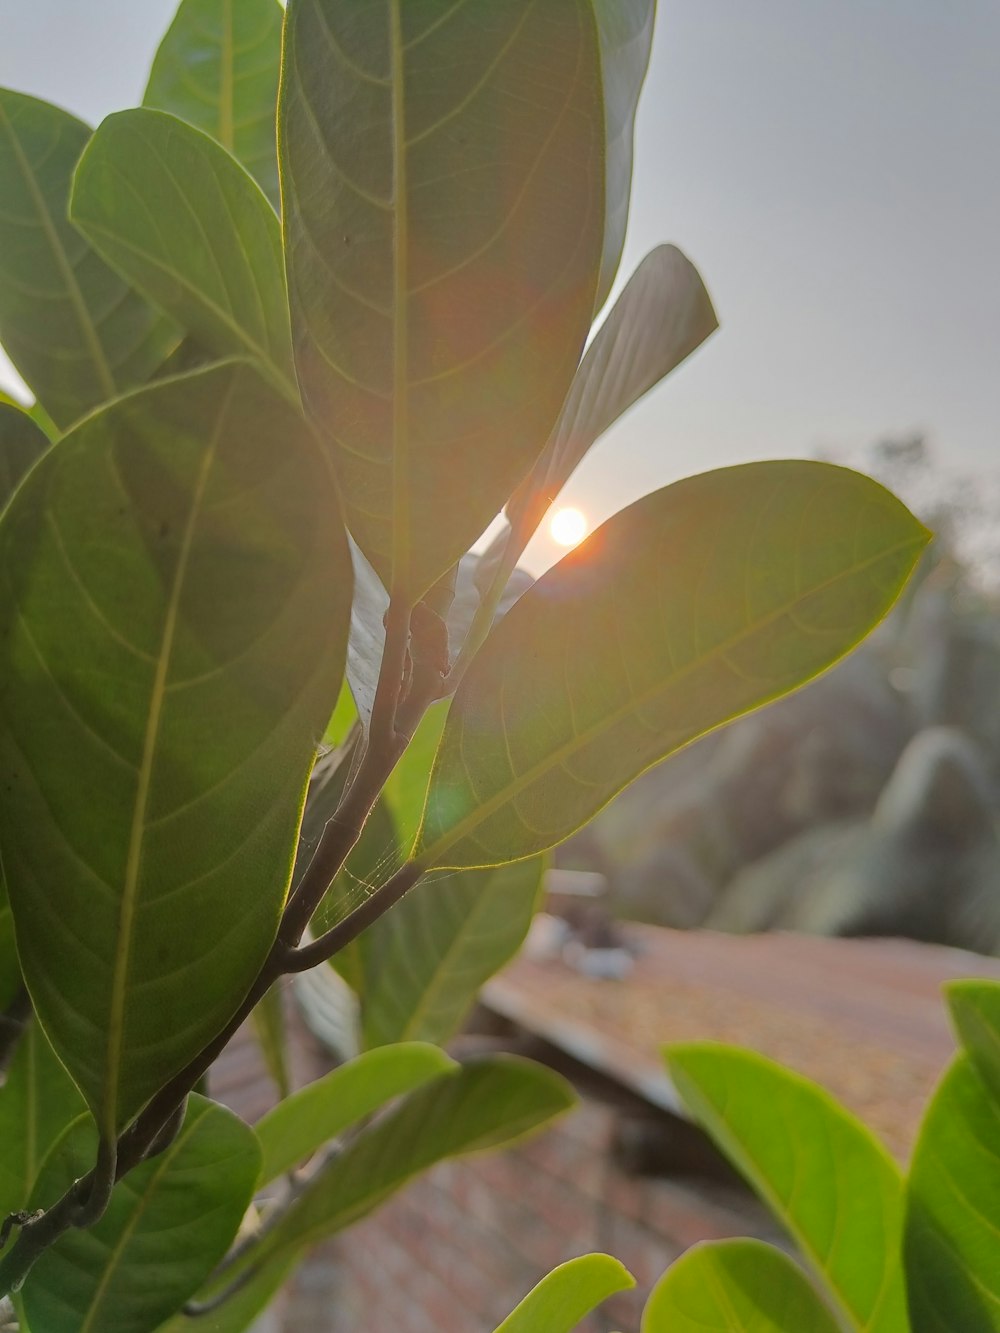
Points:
[(819, 1170), (217, 68), (691, 607), (975, 1011), (735, 1286), (567, 1295), (428, 957), (22, 443), (661, 317), (315, 1115), (443, 240), (484, 1104), (168, 1224), (626, 36), (953, 1209), (180, 218), (72, 326), (154, 569)]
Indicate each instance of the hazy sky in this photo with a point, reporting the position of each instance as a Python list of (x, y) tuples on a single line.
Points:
[(832, 166)]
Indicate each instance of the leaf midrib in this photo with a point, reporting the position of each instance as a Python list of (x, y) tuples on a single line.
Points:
[(261, 355), (133, 863), (436, 980), (555, 757), (108, 385), (117, 1251), (401, 313), (780, 1207)]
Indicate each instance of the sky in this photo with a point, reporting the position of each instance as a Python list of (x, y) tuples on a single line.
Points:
[(831, 166)]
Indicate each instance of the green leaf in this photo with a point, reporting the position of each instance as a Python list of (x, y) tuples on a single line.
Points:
[(37, 1101), (217, 68), (735, 1286), (975, 1012), (820, 1171), (73, 328), (10, 968), (443, 239), (406, 789), (239, 1311), (953, 1209), (689, 608), (568, 1294), (154, 568), (626, 37), (485, 1104), (180, 218), (661, 317), (270, 1030), (302, 1124), (168, 1224), (22, 443), (427, 958)]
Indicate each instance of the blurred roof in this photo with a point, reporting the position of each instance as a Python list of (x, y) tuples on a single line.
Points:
[(864, 1018)]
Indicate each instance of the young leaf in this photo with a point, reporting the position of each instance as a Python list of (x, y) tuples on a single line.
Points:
[(661, 317), (691, 607), (22, 443), (371, 602), (443, 239), (302, 1124), (735, 1286), (953, 1208), (406, 789), (825, 1177), (366, 642), (626, 36), (568, 1294), (180, 218), (427, 959), (154, 568), (37, 1101), (74, 329), (975, 1012), (485, 1104), (168, 1224), (217, 68)]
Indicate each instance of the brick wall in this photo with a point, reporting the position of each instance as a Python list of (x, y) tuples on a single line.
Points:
[(457, 1250)]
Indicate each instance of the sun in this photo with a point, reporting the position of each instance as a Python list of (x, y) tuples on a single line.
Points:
[(568, 527)]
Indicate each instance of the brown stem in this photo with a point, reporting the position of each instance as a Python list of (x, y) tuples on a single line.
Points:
[(344, 932)]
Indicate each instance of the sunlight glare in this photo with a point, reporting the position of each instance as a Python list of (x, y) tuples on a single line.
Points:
[(568, 527)]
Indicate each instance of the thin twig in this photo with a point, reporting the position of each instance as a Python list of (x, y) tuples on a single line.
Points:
[(345, 932)]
